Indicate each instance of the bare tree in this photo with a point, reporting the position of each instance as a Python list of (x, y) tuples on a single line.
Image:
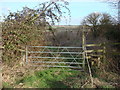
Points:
[(92, 20), (106, 19), (98, 21)]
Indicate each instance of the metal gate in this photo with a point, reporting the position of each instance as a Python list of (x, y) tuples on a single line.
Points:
[(56, 56)]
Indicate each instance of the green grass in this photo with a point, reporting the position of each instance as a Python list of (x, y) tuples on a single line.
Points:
[(108, 86), (56, 78), (6, 85), (51, 78)]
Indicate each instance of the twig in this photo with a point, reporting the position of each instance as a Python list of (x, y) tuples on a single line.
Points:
[(85, 84)]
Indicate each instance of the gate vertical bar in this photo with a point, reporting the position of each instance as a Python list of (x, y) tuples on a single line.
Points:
[(83, 46)]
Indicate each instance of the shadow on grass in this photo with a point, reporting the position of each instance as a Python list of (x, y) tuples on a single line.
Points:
[(57, 84)]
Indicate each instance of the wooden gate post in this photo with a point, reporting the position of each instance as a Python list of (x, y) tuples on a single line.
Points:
[(104, 53), (83, 45)]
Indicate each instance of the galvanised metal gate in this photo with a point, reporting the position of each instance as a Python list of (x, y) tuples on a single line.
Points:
[(72, 58)]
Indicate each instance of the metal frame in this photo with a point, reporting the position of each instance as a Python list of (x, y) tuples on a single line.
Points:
[(36, 57)]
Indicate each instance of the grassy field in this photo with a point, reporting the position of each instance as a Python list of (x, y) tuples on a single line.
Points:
[(49, 78), (58, 78)]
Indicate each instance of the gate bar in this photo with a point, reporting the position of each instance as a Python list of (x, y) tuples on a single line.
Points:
[(55, 57), (56, 52), (56, 62), (58, 66), (54, 47)]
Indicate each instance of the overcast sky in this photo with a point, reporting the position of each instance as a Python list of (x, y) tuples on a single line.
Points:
[(79, 8)]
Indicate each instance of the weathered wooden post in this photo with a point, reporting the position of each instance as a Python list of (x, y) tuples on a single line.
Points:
[(85, 54), (83, 45), (104, 52)]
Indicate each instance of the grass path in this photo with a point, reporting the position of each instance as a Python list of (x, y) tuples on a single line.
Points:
[(56, 78), (51, 78)]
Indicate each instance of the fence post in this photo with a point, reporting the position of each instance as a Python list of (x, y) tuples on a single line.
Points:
[(104, 52), (83, 46)]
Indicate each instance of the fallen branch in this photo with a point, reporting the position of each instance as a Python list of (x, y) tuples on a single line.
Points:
[(84, 84)]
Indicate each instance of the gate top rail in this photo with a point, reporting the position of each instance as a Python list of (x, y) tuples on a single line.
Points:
[(56, 52), (54, 47)]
